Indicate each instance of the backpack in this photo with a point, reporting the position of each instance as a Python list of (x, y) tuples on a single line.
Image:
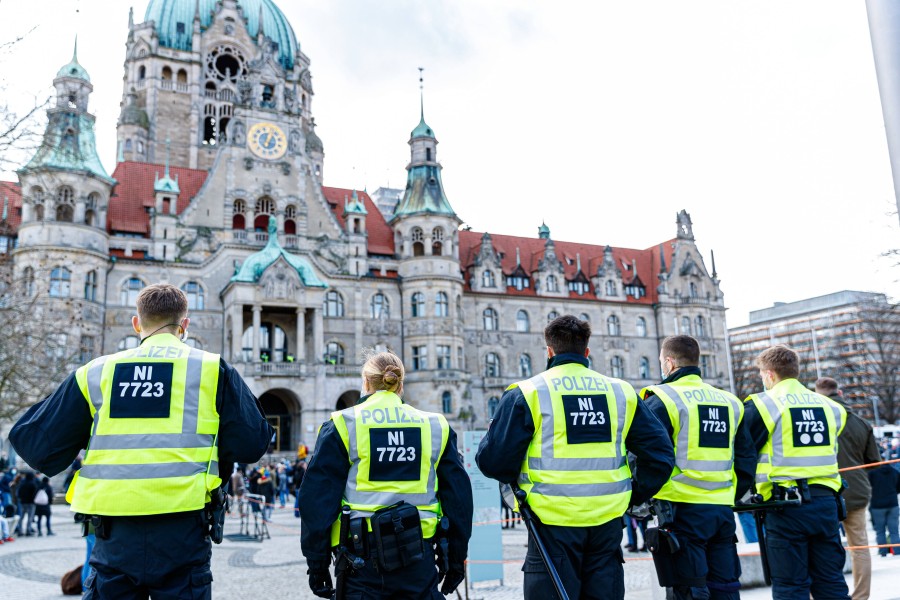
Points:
[(41, 498)]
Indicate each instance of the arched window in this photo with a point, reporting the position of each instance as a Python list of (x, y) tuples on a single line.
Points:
[(334, 304), (610, 287), (645, 368), (446, 402), (65, 204), (194, 294), (437, 241), (140, 147), (334, 353), (210, 127), (238, 221), (60, 282), (90, 213), (685, 326), (182, 76), (487, 279), (166, 74), (612, 326), (39, 212), (128, 342), (90, 286), (290, 224), (692, 289), (441, 305), (616, 367), (490, 319), (700, 326), (418, 304), (491, 365), (37, 195), (265, 207), (552, 283), (523, 324), (130, 290), (493, 405), (379, 307), (552, 315), (28, 281), (142, 73), (418, 241), (585, 317), (524, 366), (641, 326), (128, 145)]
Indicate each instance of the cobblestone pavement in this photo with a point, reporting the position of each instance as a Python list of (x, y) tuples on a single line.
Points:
[(31, 567)]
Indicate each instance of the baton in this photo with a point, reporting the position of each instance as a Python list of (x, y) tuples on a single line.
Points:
[(531, 525)]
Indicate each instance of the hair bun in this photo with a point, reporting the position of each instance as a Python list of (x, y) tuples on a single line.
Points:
[(391, 375)]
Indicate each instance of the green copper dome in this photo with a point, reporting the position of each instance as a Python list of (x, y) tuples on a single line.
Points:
[(422, 129), (73, 69), (175, 22), (256, 264)]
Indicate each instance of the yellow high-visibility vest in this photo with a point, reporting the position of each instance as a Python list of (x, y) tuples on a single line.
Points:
[(393, 450), (575, 471), (153, 447), (803, 434), (704, 422)]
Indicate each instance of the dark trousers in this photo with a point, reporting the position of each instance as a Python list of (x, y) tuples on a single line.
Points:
[(588, 559), (707, 565), (163, 557), (805, 552), (415, 582)]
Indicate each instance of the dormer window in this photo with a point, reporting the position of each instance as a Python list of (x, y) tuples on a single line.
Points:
[(518, 281), (610, 287), (635, 290), (552, 283), (579, 287), (487, 279)]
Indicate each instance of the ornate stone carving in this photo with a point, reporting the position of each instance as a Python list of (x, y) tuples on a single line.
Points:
[(279, 282)]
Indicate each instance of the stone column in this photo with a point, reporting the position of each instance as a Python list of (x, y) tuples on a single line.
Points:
[(301, 335), (78, 216), (318, 334), (257, 322), (248, 224), (237, 333)]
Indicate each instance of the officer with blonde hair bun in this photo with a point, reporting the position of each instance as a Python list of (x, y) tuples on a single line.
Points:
[(385, 491)]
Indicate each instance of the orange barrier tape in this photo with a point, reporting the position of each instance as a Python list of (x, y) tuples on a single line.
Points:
[(884, 462)]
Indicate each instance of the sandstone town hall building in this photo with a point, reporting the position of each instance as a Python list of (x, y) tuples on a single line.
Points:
[(218, 189)]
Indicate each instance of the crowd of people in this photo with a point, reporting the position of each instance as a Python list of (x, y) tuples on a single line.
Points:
[(26, 500), (276, 482)]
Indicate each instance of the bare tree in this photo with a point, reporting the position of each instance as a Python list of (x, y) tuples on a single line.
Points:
[(37, 349), (20, 127)]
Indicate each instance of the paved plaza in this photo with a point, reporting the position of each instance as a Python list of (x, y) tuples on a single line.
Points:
[(31, 567)]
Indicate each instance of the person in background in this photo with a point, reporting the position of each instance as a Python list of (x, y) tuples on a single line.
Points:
[(856, 446), (884, 507), (26, 492), (282, 482), (43, 500), (266, 487)]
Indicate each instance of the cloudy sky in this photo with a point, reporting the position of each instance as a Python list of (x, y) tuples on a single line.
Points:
[(603, 119)]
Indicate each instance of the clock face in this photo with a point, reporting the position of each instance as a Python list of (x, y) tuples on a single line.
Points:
[(267, 140)]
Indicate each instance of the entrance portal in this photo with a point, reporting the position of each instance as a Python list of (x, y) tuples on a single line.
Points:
[(347, 400), (283, 414)]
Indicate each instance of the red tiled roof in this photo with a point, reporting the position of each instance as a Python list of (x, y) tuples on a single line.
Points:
[(381, 236), (531, 251), (11, 201), (134, 194)]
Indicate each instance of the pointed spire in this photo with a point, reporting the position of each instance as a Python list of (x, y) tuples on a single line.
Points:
[(75, 50), (168, 145), (261, 30), (421, 95), (578, 261), (518, 257), (196, 10), (712, 254), (131, 18), (544, 231), (5, 207), (662, 258)]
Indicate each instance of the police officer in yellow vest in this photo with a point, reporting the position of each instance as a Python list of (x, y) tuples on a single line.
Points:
[(713, 466), (397, 472), (156, 421), (563, 436), (795, 433)]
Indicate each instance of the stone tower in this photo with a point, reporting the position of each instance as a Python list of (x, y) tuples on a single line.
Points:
[(426, 243), (63, 246)]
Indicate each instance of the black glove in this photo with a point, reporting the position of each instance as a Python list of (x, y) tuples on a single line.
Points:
[(320, 580), (453, 578)]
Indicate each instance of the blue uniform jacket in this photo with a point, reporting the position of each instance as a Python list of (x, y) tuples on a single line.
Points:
[(505, 445), (323, 488), (52, 432), (744, 451)]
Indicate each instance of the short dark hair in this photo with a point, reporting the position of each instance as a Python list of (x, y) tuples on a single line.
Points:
[(567, 333), (161, 303), (683, 349), (826, 386), (781, 359)]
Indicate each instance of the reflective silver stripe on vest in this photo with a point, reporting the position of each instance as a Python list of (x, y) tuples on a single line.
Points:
[(581, 490), (138, 441), (700, 483), (143, 471), (548, 462), (778, 458), (762, 477), (192, 391), (684, 435), (763, 458), (374, 498)]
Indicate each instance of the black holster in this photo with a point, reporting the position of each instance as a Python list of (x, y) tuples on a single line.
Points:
[(214, 515), (442, 547), (95, 524), (397, 533)]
